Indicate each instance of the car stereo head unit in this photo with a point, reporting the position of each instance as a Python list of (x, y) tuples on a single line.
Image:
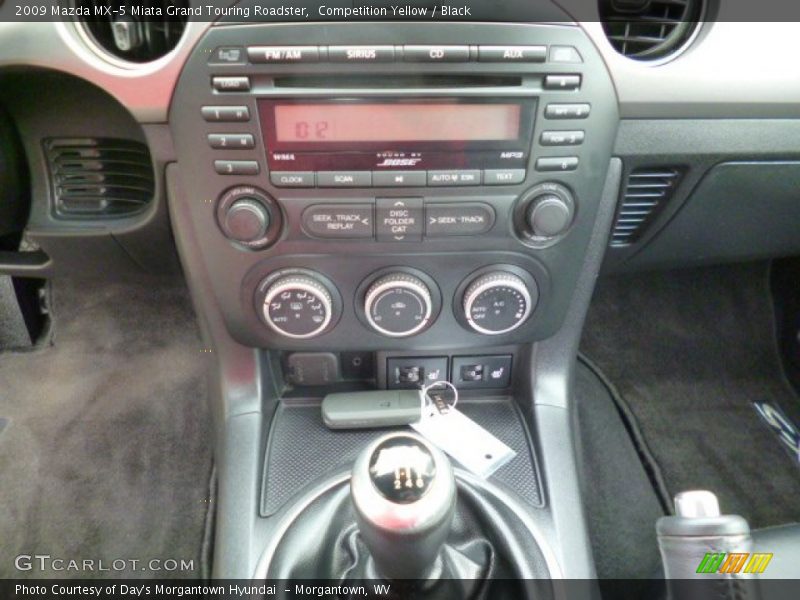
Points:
[(388, 133)]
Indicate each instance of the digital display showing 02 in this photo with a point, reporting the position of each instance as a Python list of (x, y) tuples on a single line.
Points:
[(402, 122)]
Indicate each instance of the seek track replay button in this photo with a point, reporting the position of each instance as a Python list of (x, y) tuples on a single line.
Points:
[(339, 221)]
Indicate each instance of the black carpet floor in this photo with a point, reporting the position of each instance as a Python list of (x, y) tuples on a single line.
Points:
[(107, 450), (621, 504), (689, 351)]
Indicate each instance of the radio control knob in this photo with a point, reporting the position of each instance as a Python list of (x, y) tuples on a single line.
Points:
[(246, 220), (497, 302), (298, 306), (398, 305), (549, 216), (249, 216)]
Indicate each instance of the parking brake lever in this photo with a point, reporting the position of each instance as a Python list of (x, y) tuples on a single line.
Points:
[(705, 552)]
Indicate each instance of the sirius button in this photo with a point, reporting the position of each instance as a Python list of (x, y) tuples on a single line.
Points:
[(361, 54)]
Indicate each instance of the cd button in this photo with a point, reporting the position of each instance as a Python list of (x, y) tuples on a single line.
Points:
[(361, 54), (436, 53), (283, 54), (503, 176), (399, 178), (344, 178), (399, 219), (458, 219), (339, 221), (292, 178), (454, 177)]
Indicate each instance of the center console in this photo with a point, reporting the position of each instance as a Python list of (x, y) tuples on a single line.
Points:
[(373, 205)]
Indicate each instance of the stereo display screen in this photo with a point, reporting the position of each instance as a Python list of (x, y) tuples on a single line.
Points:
[(310, 123)]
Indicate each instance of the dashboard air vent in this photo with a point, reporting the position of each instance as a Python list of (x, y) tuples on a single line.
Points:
[(650, 29), (135, 31), (99, 178), (647, 190)]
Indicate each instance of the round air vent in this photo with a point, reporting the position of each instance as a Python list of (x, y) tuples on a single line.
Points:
[(136, 32), (650, 30)]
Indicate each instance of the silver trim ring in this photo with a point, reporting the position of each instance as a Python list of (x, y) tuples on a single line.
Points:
[(401, 280), (487, 282), (306, 284)]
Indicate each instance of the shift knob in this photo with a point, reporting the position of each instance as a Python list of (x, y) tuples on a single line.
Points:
[(404, 495)]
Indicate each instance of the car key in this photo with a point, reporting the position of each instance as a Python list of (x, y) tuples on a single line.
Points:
[(367, 410)]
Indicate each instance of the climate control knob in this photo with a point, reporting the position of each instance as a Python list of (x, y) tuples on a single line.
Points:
[(298, 306), (398, 305), (497, 302)]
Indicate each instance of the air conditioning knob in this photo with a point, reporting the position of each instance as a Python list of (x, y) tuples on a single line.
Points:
[(398, 305), (298, 306), (549, 216), (497, 302)]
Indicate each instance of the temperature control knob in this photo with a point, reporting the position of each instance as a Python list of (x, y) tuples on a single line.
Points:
[(398, 305), (298, 306), (497, 302)]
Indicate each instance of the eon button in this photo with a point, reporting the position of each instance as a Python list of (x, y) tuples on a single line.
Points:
[(458, 219), (339, 221)]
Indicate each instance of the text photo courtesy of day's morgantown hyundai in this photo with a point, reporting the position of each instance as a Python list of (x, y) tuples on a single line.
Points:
[(399, 299)]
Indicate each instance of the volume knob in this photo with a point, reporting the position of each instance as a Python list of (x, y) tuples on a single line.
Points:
[(497, 302), (246, 220)]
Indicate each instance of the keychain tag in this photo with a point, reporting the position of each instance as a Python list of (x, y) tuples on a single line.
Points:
[(453, 432)]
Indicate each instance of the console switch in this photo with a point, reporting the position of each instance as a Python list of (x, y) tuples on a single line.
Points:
[(412, 372), (482, 371)]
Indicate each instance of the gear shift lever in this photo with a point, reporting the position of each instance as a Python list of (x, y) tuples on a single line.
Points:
[(404, 495)]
